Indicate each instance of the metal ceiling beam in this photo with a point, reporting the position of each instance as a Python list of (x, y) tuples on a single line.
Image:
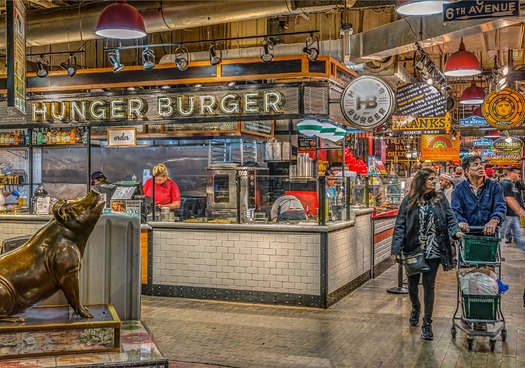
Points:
[(400, 37)]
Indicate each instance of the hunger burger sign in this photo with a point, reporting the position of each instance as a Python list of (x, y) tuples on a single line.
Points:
[(367, 102)]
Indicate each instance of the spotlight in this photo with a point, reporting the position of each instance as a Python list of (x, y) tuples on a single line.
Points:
[(114, 58), (430, 81), (215, 58), (267, 49), (181, 58), (148, 59), (42, 64), (311, 52), (70, 66)]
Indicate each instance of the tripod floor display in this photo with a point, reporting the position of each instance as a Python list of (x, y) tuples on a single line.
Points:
[(478, 311)]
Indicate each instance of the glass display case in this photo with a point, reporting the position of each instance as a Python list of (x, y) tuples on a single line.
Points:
[(382, 192)]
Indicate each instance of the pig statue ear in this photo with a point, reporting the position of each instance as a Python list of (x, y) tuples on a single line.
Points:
[(57, 210)]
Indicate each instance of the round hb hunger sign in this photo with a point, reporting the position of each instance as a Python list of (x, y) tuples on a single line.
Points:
[(504, 109), (367, 102)]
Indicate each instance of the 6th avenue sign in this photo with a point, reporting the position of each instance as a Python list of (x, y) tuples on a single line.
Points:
[(478, 9)]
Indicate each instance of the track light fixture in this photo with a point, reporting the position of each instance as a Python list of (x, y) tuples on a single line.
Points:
[(499, 76), (311, 52), (70, 66), (148, 59), (182, 58), (114, 58), (42, 65), (215, 54), (267, 51)]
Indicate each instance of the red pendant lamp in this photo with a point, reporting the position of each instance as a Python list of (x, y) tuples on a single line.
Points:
[(492, 134), (420, 7), (472, 95), (122, 21), (477, 112), (462, 63)]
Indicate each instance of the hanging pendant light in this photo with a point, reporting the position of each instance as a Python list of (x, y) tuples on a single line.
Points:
[(472, 95), (492, 134), (337, 135), (327, 131), (309, 127), (420, 7), (462, 63), (122, 21)]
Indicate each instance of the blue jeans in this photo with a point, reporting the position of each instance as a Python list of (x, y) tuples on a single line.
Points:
[(513, 223)]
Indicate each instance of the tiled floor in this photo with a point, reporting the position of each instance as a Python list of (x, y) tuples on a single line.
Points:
[(368, 328)]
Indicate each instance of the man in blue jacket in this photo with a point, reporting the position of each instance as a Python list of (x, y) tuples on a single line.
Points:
[(478, 201)]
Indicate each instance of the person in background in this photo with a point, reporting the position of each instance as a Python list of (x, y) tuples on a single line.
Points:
[(415, 169), (445, 182), (287, 207), (515, 208), (100, 183), (330, 184), (489, 173), (167, 192), (425, 220), (458, 176)]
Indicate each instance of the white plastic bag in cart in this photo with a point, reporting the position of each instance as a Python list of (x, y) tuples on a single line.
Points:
[(478, 283)]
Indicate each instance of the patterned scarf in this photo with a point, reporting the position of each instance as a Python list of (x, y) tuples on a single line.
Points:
[(428, 230)]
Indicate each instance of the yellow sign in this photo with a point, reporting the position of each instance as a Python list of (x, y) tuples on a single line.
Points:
[(424, 125), (504, 109), (439, 148)]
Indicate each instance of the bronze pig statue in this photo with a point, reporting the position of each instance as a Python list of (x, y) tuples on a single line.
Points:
[(50, 260)]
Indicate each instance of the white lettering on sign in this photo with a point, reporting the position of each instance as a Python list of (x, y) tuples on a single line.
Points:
[(367, 102), (464, 10), (167, 107)]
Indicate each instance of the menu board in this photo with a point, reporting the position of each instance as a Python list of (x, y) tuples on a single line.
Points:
[(305, 143), (419, 99), (260, 128)]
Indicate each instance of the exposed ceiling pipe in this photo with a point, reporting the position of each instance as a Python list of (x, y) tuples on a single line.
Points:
[(398, 37), (61, 26)]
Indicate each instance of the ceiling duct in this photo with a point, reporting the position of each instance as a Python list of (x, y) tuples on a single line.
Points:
[(63, 25), (398, 37)]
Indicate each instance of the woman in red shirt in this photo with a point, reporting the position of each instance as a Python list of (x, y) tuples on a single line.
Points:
[(166, 190)]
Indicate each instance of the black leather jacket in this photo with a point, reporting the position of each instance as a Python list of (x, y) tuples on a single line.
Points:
[(405, 236)]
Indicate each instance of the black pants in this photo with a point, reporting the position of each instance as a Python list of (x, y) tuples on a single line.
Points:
[(429, 280)]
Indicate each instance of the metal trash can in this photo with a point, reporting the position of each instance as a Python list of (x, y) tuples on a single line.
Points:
[(13, 243)]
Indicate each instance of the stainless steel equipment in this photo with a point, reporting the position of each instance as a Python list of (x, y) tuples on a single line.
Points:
[(222, 200)]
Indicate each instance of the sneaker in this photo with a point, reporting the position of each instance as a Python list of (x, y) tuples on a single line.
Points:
[(480, 326), (414, 317), (507, 240), (426, 332)]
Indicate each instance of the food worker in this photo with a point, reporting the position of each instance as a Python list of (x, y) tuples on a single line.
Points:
[(167, 192), (100, 183), (330, 184)]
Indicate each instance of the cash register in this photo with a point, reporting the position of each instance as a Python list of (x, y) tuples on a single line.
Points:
[(129, 199)]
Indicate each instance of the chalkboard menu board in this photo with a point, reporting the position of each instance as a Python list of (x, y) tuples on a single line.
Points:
[(260, 128), (420, 100)]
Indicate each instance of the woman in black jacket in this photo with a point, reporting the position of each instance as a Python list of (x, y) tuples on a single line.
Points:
[(425, 220)]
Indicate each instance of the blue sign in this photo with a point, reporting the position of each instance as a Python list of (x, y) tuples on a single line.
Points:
[(482, 143), (478, 9), (473, 122)]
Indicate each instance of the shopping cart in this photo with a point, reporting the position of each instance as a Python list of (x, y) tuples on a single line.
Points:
[(480, 252)]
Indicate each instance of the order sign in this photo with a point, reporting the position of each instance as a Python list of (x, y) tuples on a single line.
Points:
[(367, 102), (504, 109)]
